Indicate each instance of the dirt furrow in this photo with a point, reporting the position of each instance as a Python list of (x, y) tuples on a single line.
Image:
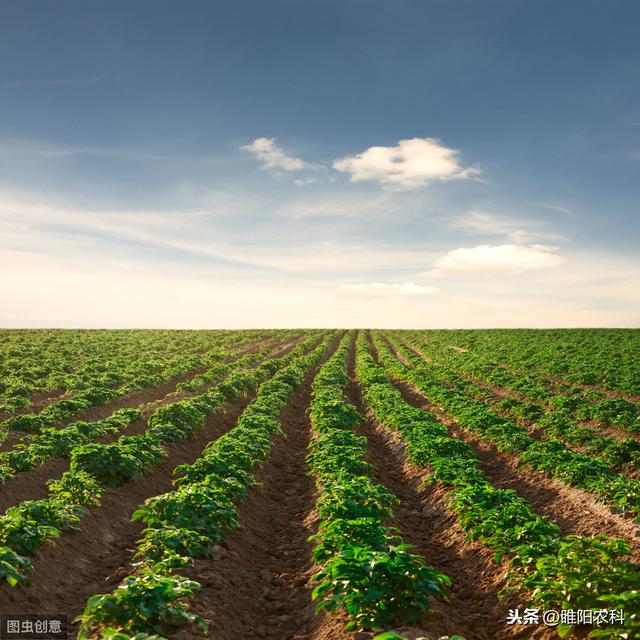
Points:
[(610, 393), (133, 399), (474, 609), (32, 484), (259, 587), (500, 393), (573, 510), (38, 401), (70, 569)]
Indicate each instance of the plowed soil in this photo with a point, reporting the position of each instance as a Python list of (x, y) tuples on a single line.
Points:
[(259, 586), (32, 485), (133, 399), (573, 510), (96, 558)]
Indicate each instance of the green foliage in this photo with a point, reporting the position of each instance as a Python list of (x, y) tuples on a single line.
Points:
[(198, 507), (13, 567), (76, 488), (579, 572), (378, 588), (160, 544), (145, 603), (356, 497), (25, 526), (366, 570), (561, 572), (187, 522), (114, 464), (338, 533)]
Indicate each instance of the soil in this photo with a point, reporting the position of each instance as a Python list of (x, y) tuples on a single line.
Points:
[(133, 399), (79, 564), (611, 393), (474, 608), (38, 401), (260, 585), (501, 392), (573, 510), (32, 484)]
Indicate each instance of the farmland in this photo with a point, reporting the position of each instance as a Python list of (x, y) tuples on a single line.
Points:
[(322, 484)]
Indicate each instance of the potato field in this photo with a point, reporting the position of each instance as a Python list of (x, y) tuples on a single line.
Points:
[(321, 484)]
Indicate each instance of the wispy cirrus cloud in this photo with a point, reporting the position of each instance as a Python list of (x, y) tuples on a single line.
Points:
[(517, 231), (36, 222), (384, 289), (303, 182), (411, 164), (272, 156)]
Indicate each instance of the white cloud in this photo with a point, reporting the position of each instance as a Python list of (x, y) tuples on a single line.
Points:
[(502, 259), (339, 203), (409, 165), (376, 289), (35, 223), (272, 156), (65, 265), (303, 182), (46, 291), (516, 231)]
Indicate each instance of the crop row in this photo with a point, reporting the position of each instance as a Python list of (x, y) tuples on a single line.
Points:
[(187, 523), (553, 420), (63, 363), (95, 467), (56, 443), (557, 571), (443, 388), (571, 401), (60, 363), (99, 392), (605, 357), (366, 570)]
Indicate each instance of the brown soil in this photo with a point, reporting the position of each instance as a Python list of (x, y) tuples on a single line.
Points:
[(611, 393), (582, 500), (39, 400), (133, 399), (279, 349), (573, 510), (100, 412), (96, 558), (458, 349), (32, 485), (259, 586), (474, 609), (500, 393)]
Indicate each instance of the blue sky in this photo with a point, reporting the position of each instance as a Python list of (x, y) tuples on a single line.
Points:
[(316, 163)]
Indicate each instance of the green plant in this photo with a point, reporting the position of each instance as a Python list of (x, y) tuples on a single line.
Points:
[(143, 603), (13, 567), (378, 588)]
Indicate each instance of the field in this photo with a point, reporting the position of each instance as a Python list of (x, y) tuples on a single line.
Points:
[(320, 485)]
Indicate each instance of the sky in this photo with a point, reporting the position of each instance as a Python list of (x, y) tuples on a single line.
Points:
[(319, 163)]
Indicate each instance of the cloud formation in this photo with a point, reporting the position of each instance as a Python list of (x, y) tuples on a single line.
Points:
[(303, 182), (272, 156), (501, 259), (411, 164), (395, 289), (516, 231)]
